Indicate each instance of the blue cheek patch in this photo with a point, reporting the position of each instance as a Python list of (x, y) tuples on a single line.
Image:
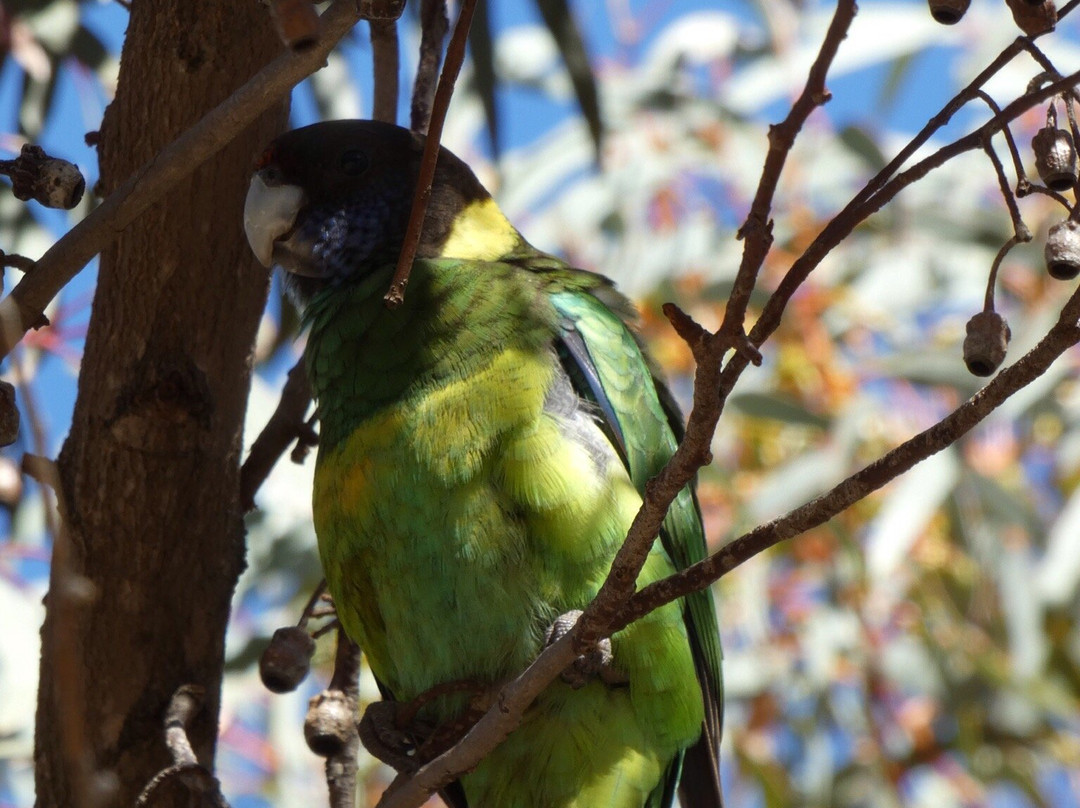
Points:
[(347, 240)]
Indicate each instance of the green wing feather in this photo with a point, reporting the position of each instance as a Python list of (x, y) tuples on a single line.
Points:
[(617, 376)]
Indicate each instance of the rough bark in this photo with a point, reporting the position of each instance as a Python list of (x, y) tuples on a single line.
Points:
[(150, 470)]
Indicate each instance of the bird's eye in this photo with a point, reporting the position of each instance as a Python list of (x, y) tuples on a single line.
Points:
[(354, 162)]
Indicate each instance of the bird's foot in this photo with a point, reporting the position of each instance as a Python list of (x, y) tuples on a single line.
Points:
[(381, 736), (596, 664)]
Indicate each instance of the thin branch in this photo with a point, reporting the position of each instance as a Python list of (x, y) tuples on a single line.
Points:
[(41, 470), (1044, 61), (513, 699), (941, 119), (340, 704), (1063, 335), (185, 704), (313, 601), (384, 56), (991, 281), (68, 592), (433, 26), (21, 309), (863, 206), (1021, 233), (19, 262), (455, 55), (711, 389), (1018, 164), (284, 426), (757, 229)]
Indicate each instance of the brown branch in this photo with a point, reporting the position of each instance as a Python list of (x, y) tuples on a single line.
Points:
[(411, 791), (185, 704), (757, 229), (41, 470), (710, 391), (21, 309), (1063, 335), (385, 59), (68, 591), (433, 26), (1018, 164), (455, 55), (991, 281), (863, 205), (313, 601), (19, 262), (284, 426), (1021, 233), (512, 700), (330, 728)]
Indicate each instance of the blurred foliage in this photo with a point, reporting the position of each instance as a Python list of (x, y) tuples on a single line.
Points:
[(923, 648)]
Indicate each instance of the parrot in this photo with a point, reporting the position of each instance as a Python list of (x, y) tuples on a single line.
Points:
[(483, 448)]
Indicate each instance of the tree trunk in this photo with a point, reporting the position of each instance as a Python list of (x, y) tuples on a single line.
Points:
[(150, 470)]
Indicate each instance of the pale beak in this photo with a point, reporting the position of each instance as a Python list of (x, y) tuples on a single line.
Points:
[(269, 213)]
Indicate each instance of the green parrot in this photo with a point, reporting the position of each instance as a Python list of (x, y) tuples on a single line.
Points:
[(482, 452)]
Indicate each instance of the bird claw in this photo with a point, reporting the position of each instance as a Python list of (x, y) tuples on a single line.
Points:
[(596, 664), (381, 736)]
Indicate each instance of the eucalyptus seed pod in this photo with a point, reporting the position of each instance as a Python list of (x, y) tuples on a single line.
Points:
[(986, 343), (286, 660), (330, 723), (1062, 250), (1055, 157), (948, 12), (1033, 18)]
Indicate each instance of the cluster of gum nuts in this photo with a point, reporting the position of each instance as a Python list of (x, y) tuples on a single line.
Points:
[(1056, 162), (1031, 16)]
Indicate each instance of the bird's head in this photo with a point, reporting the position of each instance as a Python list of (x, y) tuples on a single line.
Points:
[(331, 201)]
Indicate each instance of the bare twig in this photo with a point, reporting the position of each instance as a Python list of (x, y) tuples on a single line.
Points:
[(991, 281), (340, 703), (21, 309), (19, 262), (711, 389), (185, 704), (756, 231), (284, 426), (1020, 230), (42, 470), (512, 700), (455, 55), (863, 205), (1018, 164), (1062, 336), (433, 26), (384, 55), (68, 591), (313, 601)]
